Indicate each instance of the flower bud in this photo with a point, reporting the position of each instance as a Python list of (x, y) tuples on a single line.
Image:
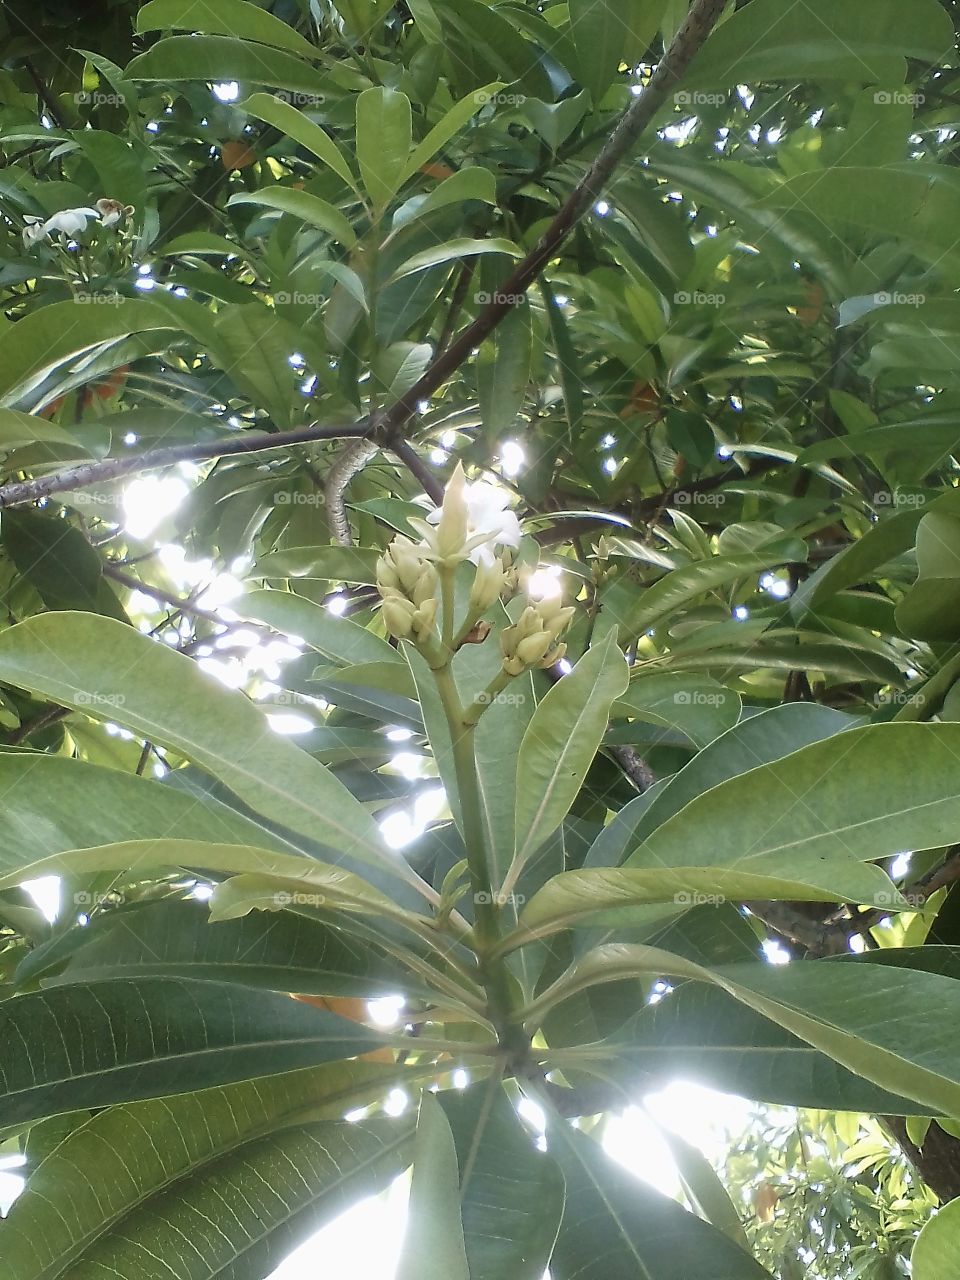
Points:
[(531, 649), (487, 585), (552, 656), (387, 577), (398, 616), (424, 618), (427, 585), (451, 532)]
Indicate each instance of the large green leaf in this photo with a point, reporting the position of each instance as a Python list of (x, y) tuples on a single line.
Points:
[(84, 805), (614, 1225), (511, 1194), (273, 110), (283, 952), (199, 57), (100, 666), (384, 140), (857, 41), (433, 1247), (503, 372), (701, 1034), (97, 1043), (87, 1199), (701, 709), (223, 18), (305, 208), (865, 794), (937, 1251), (560, 743), (338, 638), (682, 586)]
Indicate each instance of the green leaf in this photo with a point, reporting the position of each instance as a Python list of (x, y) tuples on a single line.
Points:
[(704, 1191), (572, 896), (337, 638), (503, 372), (703, 1035), (223, 18), (864, 43), (682, 586), (511, 1194), (433, 1247), (615, 1225), (84, 805), (598, 29), (937, 1251), (866, 794), (473, 183), (52, 335), (701, 709), (447, 128), (286, 952), (94, 1044), (18, 429), (560, 743), (307, 209), (332, 564), (58, 561), (200, 57), (102, 667), (91, 1199), (452, 251), (384, 140)]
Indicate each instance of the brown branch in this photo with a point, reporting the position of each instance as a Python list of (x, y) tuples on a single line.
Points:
[(387, 427), (18, 492), (417, 467), (698, 24), (46, 98)]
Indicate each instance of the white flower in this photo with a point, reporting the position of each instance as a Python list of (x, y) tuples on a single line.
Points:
[(33, 231), (489, 523), (70, 221)]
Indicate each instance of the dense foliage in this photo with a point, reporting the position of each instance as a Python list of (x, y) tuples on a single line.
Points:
[(608, 466)]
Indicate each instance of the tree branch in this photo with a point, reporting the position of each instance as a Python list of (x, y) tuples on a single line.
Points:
[(18, 492)]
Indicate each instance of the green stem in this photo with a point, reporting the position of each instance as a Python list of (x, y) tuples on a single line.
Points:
[(484, 699), (492, 971)]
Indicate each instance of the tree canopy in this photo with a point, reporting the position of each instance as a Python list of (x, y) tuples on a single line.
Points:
[(570, 392)]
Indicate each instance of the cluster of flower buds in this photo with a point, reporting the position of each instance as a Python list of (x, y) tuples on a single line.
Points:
[(408, 584), (534, 640)]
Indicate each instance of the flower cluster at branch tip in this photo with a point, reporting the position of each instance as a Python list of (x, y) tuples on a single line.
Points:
[(472, 524), (534, 640), (73, 222)]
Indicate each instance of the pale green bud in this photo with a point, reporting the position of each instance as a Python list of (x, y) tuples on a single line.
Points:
[(398, 616), (533, 648), (427, 585), (552, 656), (424, 618), (487, 585), (387, 577), (451, 533)]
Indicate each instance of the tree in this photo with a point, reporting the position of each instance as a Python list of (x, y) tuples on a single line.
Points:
[(688, 678)]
